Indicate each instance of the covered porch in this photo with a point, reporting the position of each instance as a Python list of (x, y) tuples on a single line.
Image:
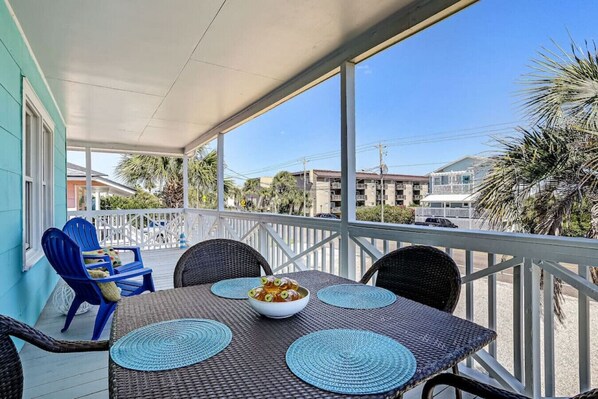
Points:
[(168, 94)]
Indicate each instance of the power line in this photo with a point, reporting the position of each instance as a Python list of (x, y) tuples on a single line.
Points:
[(474, 132)]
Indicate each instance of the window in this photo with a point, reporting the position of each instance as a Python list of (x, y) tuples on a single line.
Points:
[(38, 174), (466, 179)]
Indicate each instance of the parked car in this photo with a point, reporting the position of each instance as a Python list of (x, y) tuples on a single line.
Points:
[(437, 222), (327, 216)]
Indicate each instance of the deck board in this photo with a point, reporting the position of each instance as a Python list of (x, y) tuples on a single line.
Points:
[(85, 375)]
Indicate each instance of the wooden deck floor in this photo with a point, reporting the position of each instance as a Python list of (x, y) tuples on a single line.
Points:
[(85, 375)]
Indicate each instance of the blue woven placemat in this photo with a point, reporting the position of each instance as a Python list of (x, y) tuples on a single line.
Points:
[(235, 288), (170, 344), (356, 296), (351, 361)]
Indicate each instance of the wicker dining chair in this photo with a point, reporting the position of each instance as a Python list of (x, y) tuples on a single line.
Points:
[(482, 390), (11, 370), (214, 260), (420, 273)]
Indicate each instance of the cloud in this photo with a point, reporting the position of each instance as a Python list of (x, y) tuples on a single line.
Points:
[(365, 68)]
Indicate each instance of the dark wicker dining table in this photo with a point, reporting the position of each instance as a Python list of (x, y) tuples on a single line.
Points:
[(253, 365)]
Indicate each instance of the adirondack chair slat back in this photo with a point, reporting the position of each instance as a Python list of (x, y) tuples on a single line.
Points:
[(83, 233), (65, 257)]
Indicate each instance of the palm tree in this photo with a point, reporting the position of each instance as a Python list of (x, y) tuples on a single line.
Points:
[(283, 194), (165, 174), (544, 176), (253, 193)]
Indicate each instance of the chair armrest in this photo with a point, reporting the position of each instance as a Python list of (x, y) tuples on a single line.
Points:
[(468, 385), (124, 276), (35, 337), (99, 264), (107, 263), (136, 251)]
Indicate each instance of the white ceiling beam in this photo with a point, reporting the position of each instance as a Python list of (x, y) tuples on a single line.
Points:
[(76, 145), (393, 29)]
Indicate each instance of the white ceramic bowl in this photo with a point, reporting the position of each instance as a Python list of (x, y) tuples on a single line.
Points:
[(280, 310)]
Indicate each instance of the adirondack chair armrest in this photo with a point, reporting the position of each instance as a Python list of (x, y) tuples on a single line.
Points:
[(124, 276), (105, 258), (136, 251), (107, 263)]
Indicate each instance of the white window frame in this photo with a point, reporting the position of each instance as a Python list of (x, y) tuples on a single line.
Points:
[(42, 184)]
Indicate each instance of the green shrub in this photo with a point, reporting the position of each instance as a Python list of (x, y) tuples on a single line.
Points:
[(392, 214)]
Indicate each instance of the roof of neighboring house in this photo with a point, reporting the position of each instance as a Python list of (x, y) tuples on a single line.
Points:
[(76, 172), (367, 175), (474, 158)]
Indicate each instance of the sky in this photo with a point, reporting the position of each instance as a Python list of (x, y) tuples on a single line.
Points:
[(444, 93)]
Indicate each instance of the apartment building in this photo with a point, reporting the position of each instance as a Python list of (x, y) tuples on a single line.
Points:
[(324, 188)]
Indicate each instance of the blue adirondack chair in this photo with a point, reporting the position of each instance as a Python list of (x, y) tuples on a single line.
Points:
[(65, 257), (84, 234)]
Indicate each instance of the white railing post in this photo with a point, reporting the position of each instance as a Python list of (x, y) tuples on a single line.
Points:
[(88, 202), (492, 304), (347, 249), (469, 297), (531, 332), (583, 305), (549, 383), (517, 323)]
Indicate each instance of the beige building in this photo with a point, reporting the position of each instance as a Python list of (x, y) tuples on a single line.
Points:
[(324, 188)]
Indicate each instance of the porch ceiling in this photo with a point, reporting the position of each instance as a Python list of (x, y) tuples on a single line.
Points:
[(151, 74)]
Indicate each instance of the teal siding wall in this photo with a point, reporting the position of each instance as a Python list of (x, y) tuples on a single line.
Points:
[(22, 294)]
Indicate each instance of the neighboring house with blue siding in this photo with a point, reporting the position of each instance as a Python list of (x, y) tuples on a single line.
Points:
[(32, 174)]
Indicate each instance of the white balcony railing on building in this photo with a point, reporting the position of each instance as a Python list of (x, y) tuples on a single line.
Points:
[(452, 189), (335, 186), (502, 270), (360, 197), (334, 197), (445, 212)]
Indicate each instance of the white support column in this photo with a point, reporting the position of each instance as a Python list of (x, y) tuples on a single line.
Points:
[(185, 181), (88, 193), (220, 166), (347, 248), (186, 224), (220, 182)]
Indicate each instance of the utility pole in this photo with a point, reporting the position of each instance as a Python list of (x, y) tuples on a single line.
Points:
[(383, 170), (304, 186)]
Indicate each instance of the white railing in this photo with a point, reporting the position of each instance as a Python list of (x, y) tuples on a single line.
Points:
[(501, 275), (424, 211), (454, 188), (145, 228)]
